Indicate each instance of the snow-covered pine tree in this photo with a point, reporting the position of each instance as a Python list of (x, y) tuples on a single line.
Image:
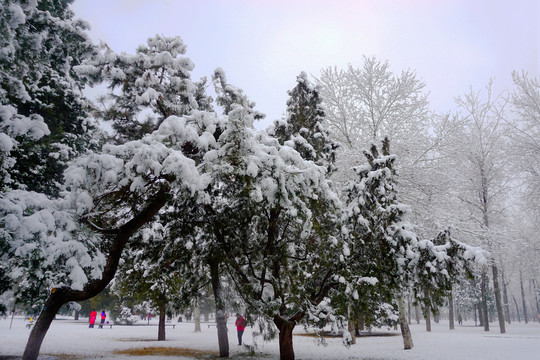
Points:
[(440, 264), (305, 126), (43, 114), (380, 240), (146, 87), (384, 249), (43, 119), (261, 219), (111, 195), (155, 82)]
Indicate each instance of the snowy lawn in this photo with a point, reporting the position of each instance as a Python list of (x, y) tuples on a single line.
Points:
[(74, 338)]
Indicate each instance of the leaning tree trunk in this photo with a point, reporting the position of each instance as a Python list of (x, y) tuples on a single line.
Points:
[(62, 295), (498, 301), (451, 311), (39, 330), (286, 327), (161, 325), (221, 317), (404, 325)]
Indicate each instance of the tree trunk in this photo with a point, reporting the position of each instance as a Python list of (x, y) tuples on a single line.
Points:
[(361, 322), (498, 301), (417, 313), (484, 309), (523, 298), (451, 324), (285, 327), (197, 315), (76, 316), (428, 318), (409, 308), (221, 316), (536, 292), (477, 314), (60, 296), (505, 299), (405, 330), (44, 320), (517, 309), (161, 325), (351, 327)]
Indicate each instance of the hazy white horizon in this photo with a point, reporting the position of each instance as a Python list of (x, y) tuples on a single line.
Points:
[(264, 45)]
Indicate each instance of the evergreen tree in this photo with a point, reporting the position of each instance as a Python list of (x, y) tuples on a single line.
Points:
[(150, 272), (260, 217), (43, 114), (305, 125), (145, 88), (385, 252), (229, 95), (380, 239), (43, 120)]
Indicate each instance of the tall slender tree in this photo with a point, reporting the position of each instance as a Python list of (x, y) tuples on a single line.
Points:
[(487, 183)]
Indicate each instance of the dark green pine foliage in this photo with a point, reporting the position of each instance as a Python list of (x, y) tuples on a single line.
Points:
[(305, 126), (39, 48), (378, 238), (440, 264)]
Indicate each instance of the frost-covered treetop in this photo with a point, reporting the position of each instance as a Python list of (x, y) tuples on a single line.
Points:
[(156, 77), (278, 173), (305, 128)]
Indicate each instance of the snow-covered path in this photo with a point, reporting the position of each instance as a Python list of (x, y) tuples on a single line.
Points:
[(69, 337)]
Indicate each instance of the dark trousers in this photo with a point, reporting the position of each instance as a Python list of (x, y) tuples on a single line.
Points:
[(101, 325), (240, 333)]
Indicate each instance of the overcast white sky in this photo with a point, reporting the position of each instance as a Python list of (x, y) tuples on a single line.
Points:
[(264, 44)]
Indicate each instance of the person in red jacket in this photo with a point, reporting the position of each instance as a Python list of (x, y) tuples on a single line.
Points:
[(103, 317), (240, 326), (93, 316)]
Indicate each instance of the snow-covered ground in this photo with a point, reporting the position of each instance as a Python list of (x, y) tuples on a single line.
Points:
[(69, 337)]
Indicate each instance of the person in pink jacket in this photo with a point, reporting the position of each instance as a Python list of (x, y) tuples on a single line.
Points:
[(93, 316), (240, 326)]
